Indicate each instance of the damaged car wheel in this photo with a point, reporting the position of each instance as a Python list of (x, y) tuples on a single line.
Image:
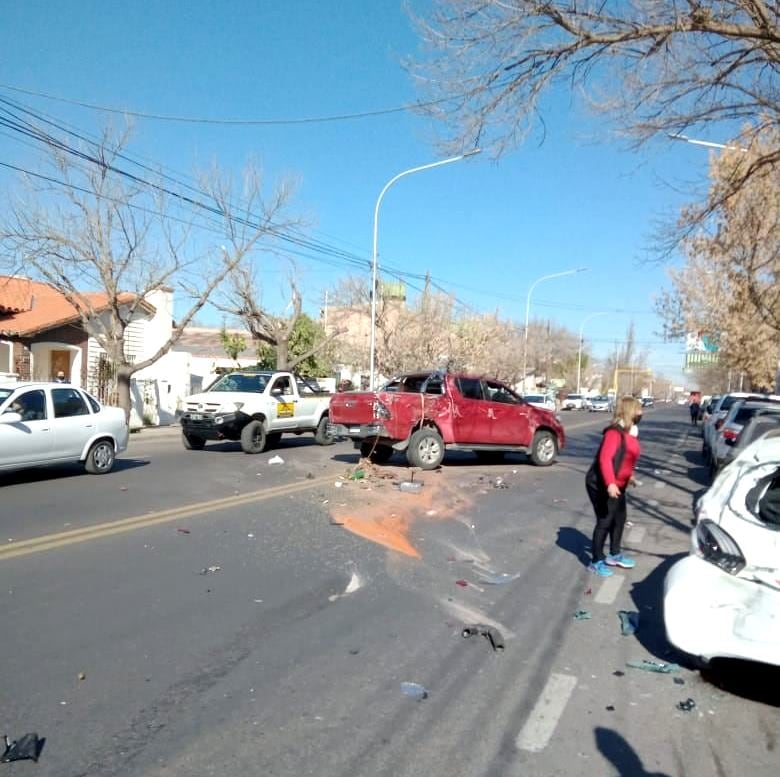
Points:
[(426, 449)]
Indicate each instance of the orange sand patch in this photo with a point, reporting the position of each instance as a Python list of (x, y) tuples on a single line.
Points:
[(379, 513)]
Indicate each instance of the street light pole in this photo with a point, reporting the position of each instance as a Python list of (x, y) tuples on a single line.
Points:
[(579, 354), (528, 311), (708, 143), (375, 254)]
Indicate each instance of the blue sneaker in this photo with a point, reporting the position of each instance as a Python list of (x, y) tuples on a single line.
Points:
[(619, 560), (601, 569)]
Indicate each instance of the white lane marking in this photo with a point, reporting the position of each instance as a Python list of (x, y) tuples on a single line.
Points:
[(609, 590), (636, 535), (545, 715)]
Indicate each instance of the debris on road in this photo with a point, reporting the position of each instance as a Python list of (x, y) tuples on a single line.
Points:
[(618, 673), (499, 482), (26, 748), (498, 579), (462, 583), (687, 705), (652, 503), (491, 634), (679, 681), (410, 486), (582, 615), (610, 708), (81, 676), (354, 651), (357, 474), (414, 690), (559, 501), (589, 592), (210, 570), (629, 622), (309, 476), (354, 584), (183, 531), (276, 460), (654, 666)]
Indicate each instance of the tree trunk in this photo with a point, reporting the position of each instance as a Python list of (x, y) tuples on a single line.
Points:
[(123, 376), (282, 354)]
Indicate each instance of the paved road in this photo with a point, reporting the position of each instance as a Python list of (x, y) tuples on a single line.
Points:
[(288, 659)]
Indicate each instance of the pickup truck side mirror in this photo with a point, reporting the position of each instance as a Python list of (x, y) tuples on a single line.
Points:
[(10, 417), (277, 391)]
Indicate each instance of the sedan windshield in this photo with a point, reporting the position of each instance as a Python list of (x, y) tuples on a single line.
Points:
[(243, 381)]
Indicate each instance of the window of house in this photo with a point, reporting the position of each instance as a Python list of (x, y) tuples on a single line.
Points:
[(68, 402), (6, 357)]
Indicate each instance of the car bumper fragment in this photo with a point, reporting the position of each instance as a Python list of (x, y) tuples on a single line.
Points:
[(712, 614)]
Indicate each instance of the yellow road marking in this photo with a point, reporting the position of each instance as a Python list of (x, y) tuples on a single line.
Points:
[(97, 531)]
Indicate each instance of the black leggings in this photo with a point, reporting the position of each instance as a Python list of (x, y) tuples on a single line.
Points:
[(610, 519)]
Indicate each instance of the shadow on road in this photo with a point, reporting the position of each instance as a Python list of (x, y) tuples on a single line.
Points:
[(575, 542), (647, 596), (747, 679), (62, 471), (621, 755)]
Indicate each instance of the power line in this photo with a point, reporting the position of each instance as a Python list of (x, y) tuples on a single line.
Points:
[(404, 108)]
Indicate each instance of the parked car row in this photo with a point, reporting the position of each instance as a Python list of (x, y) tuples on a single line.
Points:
[(723, 599), (732, 421)]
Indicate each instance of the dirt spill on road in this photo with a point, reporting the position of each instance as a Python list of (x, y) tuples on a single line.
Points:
[(377, 511)]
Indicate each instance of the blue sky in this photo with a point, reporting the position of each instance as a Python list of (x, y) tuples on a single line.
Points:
[(485, 228)]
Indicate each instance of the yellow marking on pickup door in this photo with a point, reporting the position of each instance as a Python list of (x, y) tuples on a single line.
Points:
[(285, 409)]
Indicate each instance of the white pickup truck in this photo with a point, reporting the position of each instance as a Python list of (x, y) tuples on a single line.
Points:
[(256, 408)]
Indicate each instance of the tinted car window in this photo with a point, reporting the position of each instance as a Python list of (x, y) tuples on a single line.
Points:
[(435, 385), (68, 402), (93, 403), (470, 388), (498, 393), (241, 382), (31, 405)]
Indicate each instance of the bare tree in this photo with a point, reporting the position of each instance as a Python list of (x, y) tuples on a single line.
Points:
[(266, 329), (729, 287), (86, 226), (653, 66)]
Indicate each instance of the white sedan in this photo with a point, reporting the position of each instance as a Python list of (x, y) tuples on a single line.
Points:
[(540, 400), (54, 423), (723, 600)]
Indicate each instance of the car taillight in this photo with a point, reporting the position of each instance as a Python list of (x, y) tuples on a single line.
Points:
[(717, 546), (730, 436), (381, 410)]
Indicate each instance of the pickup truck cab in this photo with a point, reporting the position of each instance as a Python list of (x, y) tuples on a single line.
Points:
[(257, 408), (426, 414)]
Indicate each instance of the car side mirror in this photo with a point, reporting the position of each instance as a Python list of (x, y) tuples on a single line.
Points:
[(276, 392), (10, 417)]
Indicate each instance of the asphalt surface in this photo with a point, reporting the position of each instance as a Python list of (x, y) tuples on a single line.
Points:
[(287, 658)]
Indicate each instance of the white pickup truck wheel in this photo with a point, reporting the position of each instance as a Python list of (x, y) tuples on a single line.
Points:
[(321, 435), (253, 437)]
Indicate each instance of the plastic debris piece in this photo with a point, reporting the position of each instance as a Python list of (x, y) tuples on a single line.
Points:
[(338, 484), (679, 681), (354, 651), (490, 633), (210, 570), (81, 676), (629, 622), (462, 583), (414, 690), (687, 705), (410, 486), (358, 474), (610, 708), (183, 531), (618, 673), (26, 748), (589, 592), (276, 460), (559, 501), (250, 536), (498, 579), (582, 615), (500, 483), (654, 666)]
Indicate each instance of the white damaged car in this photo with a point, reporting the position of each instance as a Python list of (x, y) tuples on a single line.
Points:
[(723, 600)]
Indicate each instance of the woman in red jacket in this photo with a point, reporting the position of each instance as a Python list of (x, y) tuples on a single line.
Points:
[(607, 483)]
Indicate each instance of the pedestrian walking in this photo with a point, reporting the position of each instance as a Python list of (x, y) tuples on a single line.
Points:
[(695, 409), (606, 482)]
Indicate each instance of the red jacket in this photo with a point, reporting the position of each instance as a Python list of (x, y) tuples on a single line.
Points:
[(609, 449)]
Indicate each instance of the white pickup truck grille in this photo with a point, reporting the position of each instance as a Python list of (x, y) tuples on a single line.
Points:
[(202, 407)]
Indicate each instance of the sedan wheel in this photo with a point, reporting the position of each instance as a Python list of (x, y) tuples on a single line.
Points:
[(100, 458)]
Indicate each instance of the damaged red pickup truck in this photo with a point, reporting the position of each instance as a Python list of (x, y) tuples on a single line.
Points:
[(428, 413)]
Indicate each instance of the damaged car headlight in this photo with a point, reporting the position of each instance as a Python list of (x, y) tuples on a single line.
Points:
[(716, 546), (381, 410)]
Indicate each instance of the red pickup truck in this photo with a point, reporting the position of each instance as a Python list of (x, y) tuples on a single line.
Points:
[(427, 413)]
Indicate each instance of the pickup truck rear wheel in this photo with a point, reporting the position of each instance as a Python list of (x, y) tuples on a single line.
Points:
[(192, 442), (321, 436), (426, 449), (544, 448), (253, 437)]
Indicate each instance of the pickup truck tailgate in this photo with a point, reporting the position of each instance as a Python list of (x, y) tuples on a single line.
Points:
[(353, 408)]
